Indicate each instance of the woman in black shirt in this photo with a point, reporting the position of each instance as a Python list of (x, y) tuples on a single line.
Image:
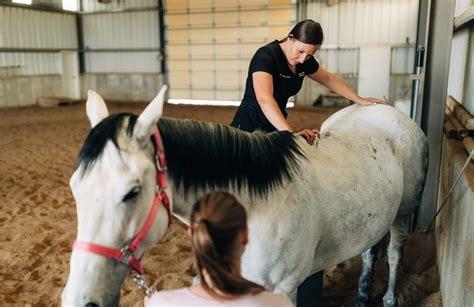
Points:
[(276, 73)]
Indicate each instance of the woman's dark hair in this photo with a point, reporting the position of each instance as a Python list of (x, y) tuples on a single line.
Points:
[(217, 220), (308, 31)]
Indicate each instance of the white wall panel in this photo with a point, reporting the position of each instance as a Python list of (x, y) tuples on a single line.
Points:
[(25, 28), (374, 72), (30, 29), (94, 5), (461, 6), (122, 30), (378, 26), (458, 64), (126, 30), (339, 61), (403, 59), (23, 63), (469, 91), (122, 62), (358, 22)]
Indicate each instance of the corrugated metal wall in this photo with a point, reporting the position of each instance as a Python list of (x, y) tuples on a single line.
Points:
[(210, 43), (136, 33), (25, 30), (94, 5), (461, 69), (457, 67), (351, 24), (358, 22)]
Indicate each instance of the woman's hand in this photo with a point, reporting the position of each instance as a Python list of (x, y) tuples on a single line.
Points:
[(368, 101), (309, 135)]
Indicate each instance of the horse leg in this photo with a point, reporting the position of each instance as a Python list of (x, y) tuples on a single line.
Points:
[(398, 236), (365, 280)]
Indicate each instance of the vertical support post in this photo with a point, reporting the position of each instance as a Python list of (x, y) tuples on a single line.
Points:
[(80, 40), (434, 99), (418, 71), (161, 24)]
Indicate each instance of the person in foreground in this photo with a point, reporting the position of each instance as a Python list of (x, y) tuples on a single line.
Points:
[(276, 73), (219, 234)]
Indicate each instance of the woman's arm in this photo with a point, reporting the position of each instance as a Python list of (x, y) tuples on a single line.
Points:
[(263, 86), (338, 86)]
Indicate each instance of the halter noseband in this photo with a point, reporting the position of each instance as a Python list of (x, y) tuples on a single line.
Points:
[(126, 254)]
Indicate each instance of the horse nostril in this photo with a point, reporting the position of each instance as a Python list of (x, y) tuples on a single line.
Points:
[(91, 305)]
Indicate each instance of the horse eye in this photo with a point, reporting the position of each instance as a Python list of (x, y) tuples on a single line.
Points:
[(132, 194)]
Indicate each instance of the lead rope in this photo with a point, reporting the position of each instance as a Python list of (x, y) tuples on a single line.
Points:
[(471, 155)]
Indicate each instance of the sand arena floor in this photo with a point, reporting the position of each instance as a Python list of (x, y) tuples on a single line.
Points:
[(38, 147)]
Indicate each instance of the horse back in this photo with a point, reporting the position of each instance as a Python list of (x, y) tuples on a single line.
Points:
[(408, 142)]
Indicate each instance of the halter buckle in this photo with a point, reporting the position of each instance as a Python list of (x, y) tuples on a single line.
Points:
[(126, 255), (159, 167)]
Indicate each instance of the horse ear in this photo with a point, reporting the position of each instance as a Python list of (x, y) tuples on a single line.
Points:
[(95, 108), (147, 120)]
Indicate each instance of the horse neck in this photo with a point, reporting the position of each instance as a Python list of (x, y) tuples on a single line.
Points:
[(205, 157)]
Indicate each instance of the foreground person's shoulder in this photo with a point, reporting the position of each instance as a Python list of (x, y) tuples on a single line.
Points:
[(163, 298), (274, 299)]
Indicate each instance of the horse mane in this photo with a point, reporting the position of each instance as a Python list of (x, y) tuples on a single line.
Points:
[(98, 136), (201, 155), (212, 156)]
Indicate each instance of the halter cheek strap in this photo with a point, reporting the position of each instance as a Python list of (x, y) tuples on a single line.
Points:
[(126, 255)]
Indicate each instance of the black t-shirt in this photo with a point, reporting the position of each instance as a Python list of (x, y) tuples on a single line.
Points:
[(271, 59)]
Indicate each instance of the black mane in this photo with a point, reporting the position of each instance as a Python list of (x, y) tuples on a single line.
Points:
[(104, 131), (208, 156), (213, 156)]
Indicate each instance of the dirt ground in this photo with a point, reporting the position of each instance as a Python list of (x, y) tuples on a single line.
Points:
[(38, 147)]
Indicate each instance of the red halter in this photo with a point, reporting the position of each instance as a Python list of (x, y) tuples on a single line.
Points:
[(126, 254)]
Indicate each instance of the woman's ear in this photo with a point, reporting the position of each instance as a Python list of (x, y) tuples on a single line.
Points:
[(244, 236)]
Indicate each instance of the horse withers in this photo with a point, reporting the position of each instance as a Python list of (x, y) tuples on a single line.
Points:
[(309, 207)]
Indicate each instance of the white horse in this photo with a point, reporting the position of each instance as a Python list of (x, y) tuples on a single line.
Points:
[(309, 207)]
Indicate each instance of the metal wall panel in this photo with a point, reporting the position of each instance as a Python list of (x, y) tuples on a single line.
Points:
[(340, 60), (26, 30), (469, 91), (358, 22), (458, 64), (94, 5), (121, 30), (27, 64), (461, 6), (122, 62), (402, 59), (352, 24), (124, 30)]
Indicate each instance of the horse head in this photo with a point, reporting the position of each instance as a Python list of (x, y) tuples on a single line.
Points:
[(114, 187)]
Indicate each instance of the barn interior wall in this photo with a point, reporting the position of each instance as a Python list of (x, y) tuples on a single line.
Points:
[(455, 228), (23, 91), (377, 26), (31, 64), (129, 87), (122, 60), (455, 223)]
